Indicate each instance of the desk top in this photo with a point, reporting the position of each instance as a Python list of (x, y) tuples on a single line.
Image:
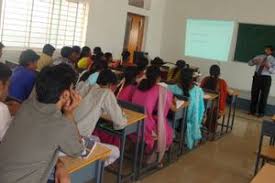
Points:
[(234, 92), (132, 116), (210, 96), (74, 164), (266, 175), (184, 105), (273, 118)]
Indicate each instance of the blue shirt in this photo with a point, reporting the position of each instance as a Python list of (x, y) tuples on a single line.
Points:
[(93, 78), (175, 89), (21, 83)]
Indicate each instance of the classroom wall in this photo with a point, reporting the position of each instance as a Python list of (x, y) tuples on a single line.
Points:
[(239, 75), (106, 27)]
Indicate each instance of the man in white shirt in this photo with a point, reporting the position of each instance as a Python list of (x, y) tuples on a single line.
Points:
[(265, 67), (5, 117)]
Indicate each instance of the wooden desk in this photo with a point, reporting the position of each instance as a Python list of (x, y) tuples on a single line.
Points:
[(273, 118), (183, 106), (266, 175), (232, 107), (132, 116), (83, 170), (135, 125), (210, 96)]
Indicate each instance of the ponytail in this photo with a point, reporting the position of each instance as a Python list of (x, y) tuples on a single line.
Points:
[(152, 74)]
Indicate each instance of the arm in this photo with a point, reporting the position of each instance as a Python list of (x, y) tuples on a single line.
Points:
[(255, 61), (71, 143), (112, 108), (61, 174)]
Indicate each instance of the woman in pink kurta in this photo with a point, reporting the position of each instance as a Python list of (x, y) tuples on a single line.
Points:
[(128, 85), (157, 101)]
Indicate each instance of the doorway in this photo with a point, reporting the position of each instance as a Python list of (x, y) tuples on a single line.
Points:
[(134, 34)]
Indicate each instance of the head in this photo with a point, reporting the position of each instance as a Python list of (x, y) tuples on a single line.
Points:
[(109, 57), (28, 59), (215, 71), (125, 56), (49, 50), (107, 78), (55, 84), (186, 80), (268, 50), (97, 50), (5, 74), (130, 75), (76, 54), (86, 52), (153, 76), (1, 49), (142, 64), (66, 52), (181, 64), (158, 62)]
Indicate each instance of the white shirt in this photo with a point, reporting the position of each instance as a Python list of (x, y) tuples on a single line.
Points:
[(5, 119), (261, 58)]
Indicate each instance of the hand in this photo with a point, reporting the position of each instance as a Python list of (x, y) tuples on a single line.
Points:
[(61, 175), (72, 104), (13, 107)]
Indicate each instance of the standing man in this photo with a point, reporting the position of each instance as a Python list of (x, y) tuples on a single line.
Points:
[(265, 67)]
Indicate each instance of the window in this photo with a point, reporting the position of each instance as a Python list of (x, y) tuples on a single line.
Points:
[(33, 23)]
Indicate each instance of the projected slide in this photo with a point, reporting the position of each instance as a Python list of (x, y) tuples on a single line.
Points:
[(209, 39)]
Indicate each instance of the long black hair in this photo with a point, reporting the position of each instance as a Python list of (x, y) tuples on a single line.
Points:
[(130, 75), (180, 65), (186, 80), (86, 52), (152, 74), (212, 81), (99, 65)]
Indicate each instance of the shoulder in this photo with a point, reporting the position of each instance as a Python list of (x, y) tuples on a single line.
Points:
[(4, 109)]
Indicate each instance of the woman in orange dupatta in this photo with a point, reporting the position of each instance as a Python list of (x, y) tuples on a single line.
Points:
[(216, 84)]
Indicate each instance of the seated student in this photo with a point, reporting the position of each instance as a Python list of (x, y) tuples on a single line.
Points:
[(29, 150), (97, 50), (97, 100), (99, 65), (174, 74), (24, 76), (157, 62), (195, 94), (128, 85), (142, 66), (157, 101), (110, 61), (215, 83), (85, 58), (5, 116), (66, 57), (125, 58), (46, 57)]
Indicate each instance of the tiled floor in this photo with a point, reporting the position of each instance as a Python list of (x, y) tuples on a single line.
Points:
[(228, 160)]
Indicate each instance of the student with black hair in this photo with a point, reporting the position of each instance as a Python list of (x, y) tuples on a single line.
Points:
[(128, 85), (35, 141), (157, 62), (97, 100), (97, 50), (76, 54), (157, 101), (142, 65), (125, 58), (46, 57), (216, 84), (262, 80), (85, 58), (186, 87), (66, 57), (5, 116), (174, 74), (99, 65), (24, 76)]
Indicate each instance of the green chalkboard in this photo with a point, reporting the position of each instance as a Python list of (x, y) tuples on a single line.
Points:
[(252, 39)]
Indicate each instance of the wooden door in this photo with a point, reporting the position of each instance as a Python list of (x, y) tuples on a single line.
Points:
[(134, 34)]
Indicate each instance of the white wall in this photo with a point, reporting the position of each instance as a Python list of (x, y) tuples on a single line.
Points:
[(239, 75), (107, 23), (106, 27)]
